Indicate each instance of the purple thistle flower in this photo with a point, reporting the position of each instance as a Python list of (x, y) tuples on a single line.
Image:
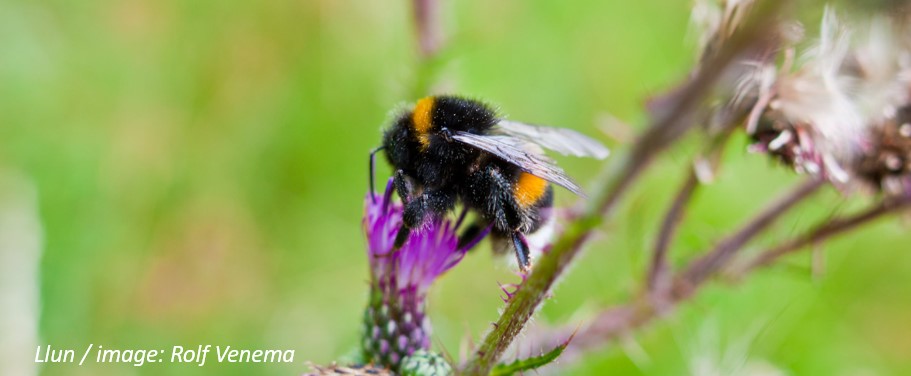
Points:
[(428, 253), (395, 322)]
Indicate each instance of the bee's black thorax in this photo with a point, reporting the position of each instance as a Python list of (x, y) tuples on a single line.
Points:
[(459, 114)]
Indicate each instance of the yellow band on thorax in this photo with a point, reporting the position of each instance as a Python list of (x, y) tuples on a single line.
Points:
[(421, 119)]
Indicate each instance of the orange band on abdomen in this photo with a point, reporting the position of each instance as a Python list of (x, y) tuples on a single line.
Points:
[(529, 189)]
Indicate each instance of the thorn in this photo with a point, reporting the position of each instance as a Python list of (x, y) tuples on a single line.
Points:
[(524, 275), (546, 249), (513, 286), (571, 336), (506, 290)]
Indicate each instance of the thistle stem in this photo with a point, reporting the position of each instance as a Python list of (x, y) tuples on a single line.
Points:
[(427, 23), (707, 265), (823, 231), (669, 124), (430, 41), (621, 319), (658, 279)]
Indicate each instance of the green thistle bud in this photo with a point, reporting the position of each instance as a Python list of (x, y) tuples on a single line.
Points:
[(425, 363), (395, 326)]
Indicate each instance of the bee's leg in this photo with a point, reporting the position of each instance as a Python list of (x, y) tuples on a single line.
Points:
[(474, 234), (415, 211), (499, 200), (412, 216), (439, 201), (435, 202), (469, 234), (401, 237), (508, 218), (403, 185), (522, 251), (413, 208), (461, 218)]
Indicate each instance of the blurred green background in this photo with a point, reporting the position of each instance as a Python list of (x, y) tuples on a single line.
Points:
[(196, 170)]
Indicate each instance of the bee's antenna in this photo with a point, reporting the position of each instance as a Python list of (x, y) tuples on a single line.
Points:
[(372, 169)]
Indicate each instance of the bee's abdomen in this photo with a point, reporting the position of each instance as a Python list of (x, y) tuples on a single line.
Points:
[(529, 190)]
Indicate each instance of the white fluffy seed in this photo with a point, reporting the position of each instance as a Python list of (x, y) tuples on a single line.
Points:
[(781, 140), (905, 130)]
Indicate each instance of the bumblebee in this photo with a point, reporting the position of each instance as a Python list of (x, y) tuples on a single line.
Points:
[(451, 150)]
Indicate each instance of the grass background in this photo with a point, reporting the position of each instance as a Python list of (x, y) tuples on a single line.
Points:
[(199, 170)]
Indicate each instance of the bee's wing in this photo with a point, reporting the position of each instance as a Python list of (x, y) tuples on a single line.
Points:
[(521, 154), (561, 140)]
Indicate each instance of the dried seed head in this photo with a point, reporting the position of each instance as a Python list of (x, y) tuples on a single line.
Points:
[(878, 68), (886, 165), (842, 113), (714, 21)]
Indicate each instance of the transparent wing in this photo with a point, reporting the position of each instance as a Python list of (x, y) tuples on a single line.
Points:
[(521, 154), (561, 140)]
